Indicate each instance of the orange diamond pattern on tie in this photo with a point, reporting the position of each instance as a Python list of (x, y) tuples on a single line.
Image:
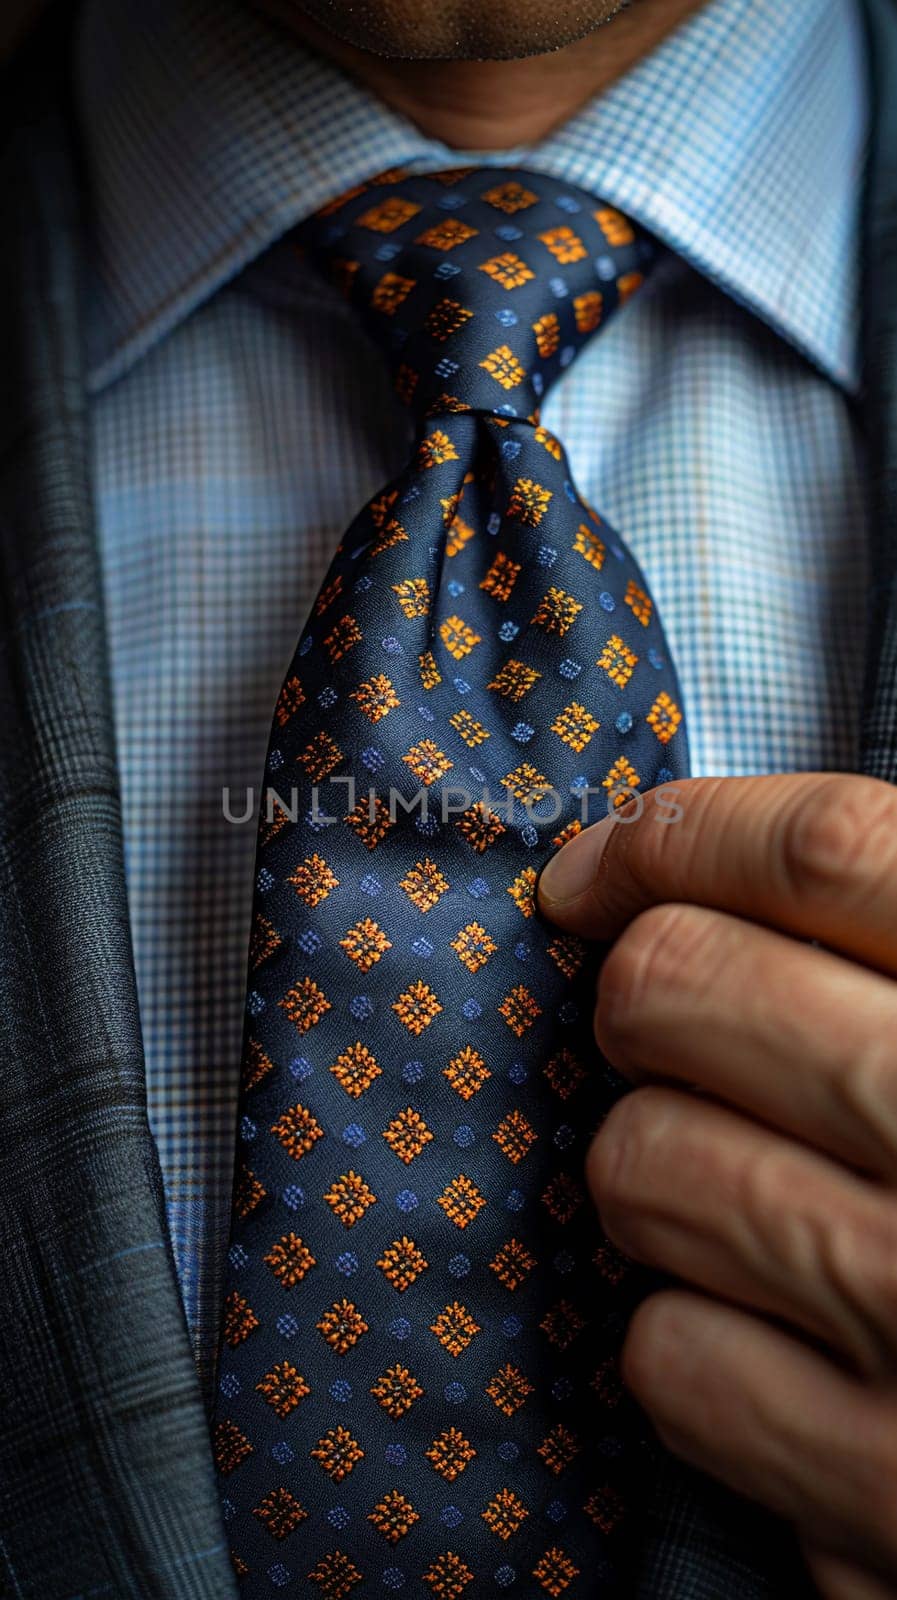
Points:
[(419, 1387)]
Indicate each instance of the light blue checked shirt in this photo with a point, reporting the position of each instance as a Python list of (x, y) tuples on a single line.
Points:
[(239, 424)]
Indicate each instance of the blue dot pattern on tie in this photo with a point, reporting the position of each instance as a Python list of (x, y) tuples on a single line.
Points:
[(418, 1387)]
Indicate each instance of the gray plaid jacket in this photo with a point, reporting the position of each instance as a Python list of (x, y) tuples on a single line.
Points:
[(106, 1481)]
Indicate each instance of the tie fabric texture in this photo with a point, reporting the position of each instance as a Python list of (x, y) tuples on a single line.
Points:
[(418, 1389)]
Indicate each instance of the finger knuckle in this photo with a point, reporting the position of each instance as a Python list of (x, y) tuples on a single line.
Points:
[(863, 1257), (834, 834), (846, 1246), (647, 1349), (868, 1466), (759, 1185), (664, 948), (609, 1155), (620, 1149), (864, 1089)]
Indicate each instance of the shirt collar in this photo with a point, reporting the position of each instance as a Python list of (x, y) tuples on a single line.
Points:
[(739, 142)]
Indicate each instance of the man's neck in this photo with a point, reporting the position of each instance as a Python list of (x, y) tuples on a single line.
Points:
[(497, 105)]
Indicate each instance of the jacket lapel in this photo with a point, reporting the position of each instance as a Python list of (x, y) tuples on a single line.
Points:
[(879, 757), (106, 1481)]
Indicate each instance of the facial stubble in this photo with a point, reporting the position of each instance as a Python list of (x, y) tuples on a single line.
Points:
[(461, 30)]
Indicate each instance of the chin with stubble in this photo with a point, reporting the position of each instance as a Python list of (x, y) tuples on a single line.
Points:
[(457, 30)]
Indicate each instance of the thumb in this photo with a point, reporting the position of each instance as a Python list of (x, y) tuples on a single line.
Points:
[(569, 889)]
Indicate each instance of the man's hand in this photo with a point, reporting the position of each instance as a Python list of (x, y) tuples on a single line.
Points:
[(751, 996)]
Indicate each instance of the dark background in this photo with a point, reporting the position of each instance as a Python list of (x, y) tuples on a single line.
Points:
[(14, 18)]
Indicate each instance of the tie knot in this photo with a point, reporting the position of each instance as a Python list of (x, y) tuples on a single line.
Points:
[(481, 284)]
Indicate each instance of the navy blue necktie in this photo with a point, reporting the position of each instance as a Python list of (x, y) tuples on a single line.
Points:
[(418, 1383)]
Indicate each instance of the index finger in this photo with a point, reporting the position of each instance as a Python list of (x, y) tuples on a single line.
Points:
[(811, 854)]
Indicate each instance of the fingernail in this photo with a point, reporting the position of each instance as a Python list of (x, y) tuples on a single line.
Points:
[(568, 873)]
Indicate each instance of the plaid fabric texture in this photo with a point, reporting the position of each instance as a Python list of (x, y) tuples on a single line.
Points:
[(106, 1483), (239, 421)]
